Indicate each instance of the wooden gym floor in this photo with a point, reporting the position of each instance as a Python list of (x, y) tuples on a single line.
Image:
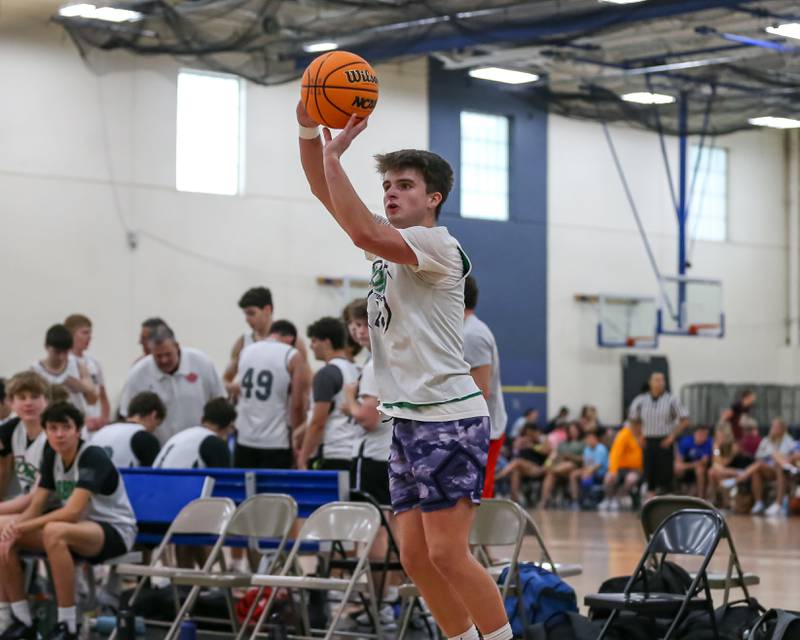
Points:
[(610, 544)]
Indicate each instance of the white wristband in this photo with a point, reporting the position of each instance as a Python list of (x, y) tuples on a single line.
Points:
[(307, 133)]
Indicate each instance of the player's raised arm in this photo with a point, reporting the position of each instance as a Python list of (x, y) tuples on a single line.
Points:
[(311, 156)]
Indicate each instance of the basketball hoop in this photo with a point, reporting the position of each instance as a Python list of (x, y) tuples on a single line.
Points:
[(708, 329)]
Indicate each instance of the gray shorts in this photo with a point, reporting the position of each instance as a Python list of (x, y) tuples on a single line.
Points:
[(432, 465)]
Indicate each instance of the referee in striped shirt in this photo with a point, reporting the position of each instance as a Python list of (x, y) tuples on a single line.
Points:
[(663, 419)]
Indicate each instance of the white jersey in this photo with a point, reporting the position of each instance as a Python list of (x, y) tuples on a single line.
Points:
[(92, 470), (183, 450), (72, 370), (96, 373), (480, 349), (340, 429), (27, 456), (117, 441), (416, 323), (262, 419), (373, 444)]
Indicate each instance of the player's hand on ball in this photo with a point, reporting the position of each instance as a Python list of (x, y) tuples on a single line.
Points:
[(303, 119), (335, 147)]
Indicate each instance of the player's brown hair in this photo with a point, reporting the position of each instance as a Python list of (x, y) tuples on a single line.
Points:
[(77, 321), (356, 310), (26, 381), (435, 170)]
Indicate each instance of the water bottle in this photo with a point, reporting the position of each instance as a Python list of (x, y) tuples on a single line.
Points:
[(188, 630)]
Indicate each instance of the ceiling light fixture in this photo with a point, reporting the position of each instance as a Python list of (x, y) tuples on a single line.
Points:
[(621, 1), (497, 74), (645, 97), (319, 47), (788, 30), (92, 12), (775, 123)]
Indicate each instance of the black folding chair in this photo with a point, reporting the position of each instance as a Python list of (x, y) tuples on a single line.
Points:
[(656, 510), (691, 532)]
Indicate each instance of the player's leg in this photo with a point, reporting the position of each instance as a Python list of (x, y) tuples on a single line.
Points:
[(13, 581), (446, 606), (447, 538)]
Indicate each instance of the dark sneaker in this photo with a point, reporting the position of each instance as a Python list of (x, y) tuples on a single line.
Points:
[(61, 632), (18, 631)]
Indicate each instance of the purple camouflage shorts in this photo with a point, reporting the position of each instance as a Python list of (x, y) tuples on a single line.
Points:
[(432, 465)]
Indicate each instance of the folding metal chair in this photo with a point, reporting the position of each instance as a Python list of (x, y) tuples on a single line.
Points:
[(656, 510), (688, 532), (261, 517), (201, 517), (346, 522)]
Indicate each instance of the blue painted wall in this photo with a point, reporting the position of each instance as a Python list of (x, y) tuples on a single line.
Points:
[(509, 258)]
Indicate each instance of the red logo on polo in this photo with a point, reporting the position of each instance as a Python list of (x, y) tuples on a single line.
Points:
[(192, 377)]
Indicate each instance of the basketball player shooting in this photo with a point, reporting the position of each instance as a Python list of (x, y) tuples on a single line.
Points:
[(440, 419)]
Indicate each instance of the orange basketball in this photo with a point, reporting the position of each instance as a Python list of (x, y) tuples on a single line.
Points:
[(336, 85)]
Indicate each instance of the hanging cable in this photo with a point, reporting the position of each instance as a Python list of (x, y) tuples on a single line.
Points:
[(663, 146), (638, 219), (700, 151)]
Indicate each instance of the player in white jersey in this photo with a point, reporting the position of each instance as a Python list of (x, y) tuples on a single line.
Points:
[(94, 520), (256, 304), (416, 314), (272, 386), (203, 446), (22, 443), (60, 367), (480, 352), (132, 443), (330, 433), (97, 413)]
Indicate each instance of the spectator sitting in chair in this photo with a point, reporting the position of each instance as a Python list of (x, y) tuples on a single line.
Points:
[(593, 471), (726, 462), (530, 451), (772, 458), (625, 463), (692, 457), (562, 462), (94, 520)]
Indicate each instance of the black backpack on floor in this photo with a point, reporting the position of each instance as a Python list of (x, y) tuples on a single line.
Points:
[(734, 620), (777, 624), (573, 626)]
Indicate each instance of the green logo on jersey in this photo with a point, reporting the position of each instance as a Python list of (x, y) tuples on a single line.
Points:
[(378, 280), (64, 489), (25, 471)]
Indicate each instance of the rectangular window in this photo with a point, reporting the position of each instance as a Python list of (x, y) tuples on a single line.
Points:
[(708, 205), (208, 156), (484, 166)]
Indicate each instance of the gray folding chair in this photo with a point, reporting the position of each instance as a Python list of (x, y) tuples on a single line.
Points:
[(265, 516), (201, 517), (346, 522), (657, 509)]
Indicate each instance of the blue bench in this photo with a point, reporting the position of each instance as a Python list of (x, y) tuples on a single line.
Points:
[(157, 495)]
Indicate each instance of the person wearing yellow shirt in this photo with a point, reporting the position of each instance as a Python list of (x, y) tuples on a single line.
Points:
[(624, 465)]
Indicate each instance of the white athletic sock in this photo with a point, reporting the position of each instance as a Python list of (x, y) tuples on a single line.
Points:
[(22, 612), (503, 633), (68, 615), (469, 634), (5, 616)]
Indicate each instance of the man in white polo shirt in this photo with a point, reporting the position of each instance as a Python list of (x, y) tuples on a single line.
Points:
[(184, 378)]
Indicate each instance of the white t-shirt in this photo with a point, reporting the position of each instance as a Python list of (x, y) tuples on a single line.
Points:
[(377, 442), (96, 372), (184, 393), (127, 444), (262, 419), (92, 470), (340, 429), (767, 448), (416, 321), (480, 349), (72, 370), (193, 448), (27, 456)]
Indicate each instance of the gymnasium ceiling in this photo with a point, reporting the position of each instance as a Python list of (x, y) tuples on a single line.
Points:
[(587, 53)]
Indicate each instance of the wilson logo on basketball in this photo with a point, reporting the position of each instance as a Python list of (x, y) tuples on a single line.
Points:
[(360, 75)]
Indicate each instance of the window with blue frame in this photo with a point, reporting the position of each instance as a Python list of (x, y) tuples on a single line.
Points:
[(484, 166)]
